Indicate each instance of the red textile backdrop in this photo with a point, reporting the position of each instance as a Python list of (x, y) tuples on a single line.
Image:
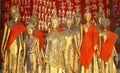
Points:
[(44, 9)]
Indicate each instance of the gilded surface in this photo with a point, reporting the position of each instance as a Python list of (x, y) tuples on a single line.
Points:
[(56, 44), (108, 67), (69, 51)]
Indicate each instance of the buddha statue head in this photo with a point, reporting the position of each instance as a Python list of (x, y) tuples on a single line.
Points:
[(87, 15), (55, 22), (77, 19), (34, 20), (13, 10), (30, 30), (99, 18), (16, 17), (100, 15), (69, 23)]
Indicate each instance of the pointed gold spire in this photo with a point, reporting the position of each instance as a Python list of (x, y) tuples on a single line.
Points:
[(77, 9)]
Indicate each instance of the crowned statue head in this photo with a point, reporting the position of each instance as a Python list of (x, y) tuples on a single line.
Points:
[(16, 17), (30, 30), (55, 22), (15, 14), (100, 15), (34, 19), (13, 10), (69, 22), (87, 15), (77, 17)]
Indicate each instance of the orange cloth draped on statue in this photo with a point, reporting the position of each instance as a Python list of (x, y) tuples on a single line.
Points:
[(87, 47), (14, 33), (40, 36), (107, 47)]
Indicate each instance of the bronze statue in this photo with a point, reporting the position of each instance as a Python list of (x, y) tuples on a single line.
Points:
[(38, 34), (32, 53)]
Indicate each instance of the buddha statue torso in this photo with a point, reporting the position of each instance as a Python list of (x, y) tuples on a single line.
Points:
[(55, 45)]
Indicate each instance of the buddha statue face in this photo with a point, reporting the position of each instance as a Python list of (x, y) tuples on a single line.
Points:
[(99, 20), (100, 16), (87, 16), (30, 29), (13, 10), (69, 23), (16, 17), (54, 23), (77, 20)]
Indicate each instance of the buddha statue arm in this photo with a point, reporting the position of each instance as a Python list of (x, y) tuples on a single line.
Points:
[(24, 56), (5, 39), (38, 52), (116, 55), (76, 45), (81, 36), (47, 50), (4, 36)]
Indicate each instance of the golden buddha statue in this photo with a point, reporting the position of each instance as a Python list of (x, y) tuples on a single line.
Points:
[(100, 17), (31, 46), (108, 53), (70, 48), (99, 21), (12, 50), (38, 34), (89, 46), (77, 29), (54, 49)]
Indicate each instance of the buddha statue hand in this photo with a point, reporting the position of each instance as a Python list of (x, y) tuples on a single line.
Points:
[(116, 60), (3, 54)]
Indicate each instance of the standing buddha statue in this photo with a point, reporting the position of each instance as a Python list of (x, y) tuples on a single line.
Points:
[(108, 51), (12, 48), (54, 49), (88, 56), (69, 52)]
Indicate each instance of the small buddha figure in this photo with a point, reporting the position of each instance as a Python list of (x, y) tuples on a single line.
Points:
[(11, 48), (54, 49), (38, 34), (32, 53), (108, 51), (88, 57), (70, 48)]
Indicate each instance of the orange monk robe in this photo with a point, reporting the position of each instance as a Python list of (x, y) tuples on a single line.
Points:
[(14, 33), (87, 47), (59, 29), (40, 36), (107, 47)]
